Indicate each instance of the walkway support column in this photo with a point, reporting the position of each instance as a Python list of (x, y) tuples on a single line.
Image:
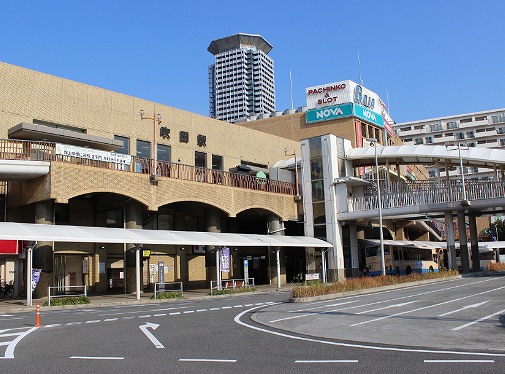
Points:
[(133, 220), (463, 243), (451, 245), (276, 227), (42, 255), (474, 242), (212, 221)]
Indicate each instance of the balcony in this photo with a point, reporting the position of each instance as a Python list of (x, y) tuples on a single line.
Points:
[(45, 151)]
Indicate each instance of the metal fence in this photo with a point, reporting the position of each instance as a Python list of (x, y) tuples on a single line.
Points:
[(167, 287), (230, 284), (66, 291), (402, 194)]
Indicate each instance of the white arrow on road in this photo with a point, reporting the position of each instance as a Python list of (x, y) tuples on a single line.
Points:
[(465, 307), (149, 335)]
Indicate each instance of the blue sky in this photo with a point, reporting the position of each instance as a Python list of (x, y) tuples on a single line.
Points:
[(430, 58)]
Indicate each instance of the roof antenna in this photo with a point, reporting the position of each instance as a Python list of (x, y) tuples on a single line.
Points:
[(359, 68), (291, 89)]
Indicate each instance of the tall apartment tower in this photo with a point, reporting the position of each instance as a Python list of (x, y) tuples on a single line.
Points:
[(241, 79)]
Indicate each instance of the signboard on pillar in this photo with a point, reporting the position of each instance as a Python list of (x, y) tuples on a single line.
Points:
[(246, 271)]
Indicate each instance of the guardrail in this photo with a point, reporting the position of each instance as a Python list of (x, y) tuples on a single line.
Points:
[(161, 287), (65, 292), (397, 195), (45, 151), (231, 284)]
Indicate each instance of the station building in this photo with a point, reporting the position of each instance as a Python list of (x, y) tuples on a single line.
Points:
[(99, 158)]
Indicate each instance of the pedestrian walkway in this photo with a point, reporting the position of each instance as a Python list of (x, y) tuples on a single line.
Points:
[(18, 305)]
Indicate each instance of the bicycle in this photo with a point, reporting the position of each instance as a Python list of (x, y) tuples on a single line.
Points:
[(7, 289)]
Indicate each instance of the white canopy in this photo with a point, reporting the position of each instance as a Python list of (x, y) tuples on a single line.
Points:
[(86, 234)]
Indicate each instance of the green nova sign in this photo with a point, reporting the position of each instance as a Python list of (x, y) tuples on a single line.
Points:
[(329, 112)]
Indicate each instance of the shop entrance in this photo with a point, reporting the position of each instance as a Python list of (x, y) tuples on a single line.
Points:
[(68, 270), (258, 268), (295, 265)]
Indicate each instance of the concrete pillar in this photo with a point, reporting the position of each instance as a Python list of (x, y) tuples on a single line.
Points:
[(451, 246), (353, 236), (100, 283), (277, 270), (133, 220), (43, 252), (474, 242), (212, 221), (463, 243)]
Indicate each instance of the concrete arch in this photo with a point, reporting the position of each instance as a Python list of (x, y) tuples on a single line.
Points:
[(266, 210), (206, 202)]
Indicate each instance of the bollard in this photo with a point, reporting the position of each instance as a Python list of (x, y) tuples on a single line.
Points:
[(37, 315)]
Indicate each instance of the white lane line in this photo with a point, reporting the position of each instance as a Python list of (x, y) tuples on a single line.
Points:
[(110, 319), (131, 317), (201, 310), (238, 306), (9, 352), (372, 347), (426, 307), (325, 361), (159, 315), (6, 315), (96, 358), (146, 316), (205, 360), (14, 328), (174, 313), (94, 321), (464, 308), (72, 323), (459, 361), (142, 311), (188, 312), (387, 307), (477, 321), (226, 307), (10, 334), (248, 305), (53, 325), (214, 308)]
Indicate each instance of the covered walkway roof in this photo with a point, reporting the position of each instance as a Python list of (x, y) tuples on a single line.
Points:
[(426, 155), (86, 234)]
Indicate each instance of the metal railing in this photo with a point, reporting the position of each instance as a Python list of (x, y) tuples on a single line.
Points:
[(231, 284), (401, 194), (66, 291), (45, 151), (163, 287)]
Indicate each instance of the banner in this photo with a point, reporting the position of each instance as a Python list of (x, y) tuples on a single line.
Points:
[(92, 154), (35, 278), (225, 259)]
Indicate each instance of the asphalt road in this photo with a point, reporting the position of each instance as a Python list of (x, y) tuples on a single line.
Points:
[(237, 335)]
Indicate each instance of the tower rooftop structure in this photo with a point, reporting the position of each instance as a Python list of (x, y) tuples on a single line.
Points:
[(237, 40)]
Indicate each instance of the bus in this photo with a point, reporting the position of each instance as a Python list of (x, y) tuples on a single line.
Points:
[(489, 253), (401, 256)]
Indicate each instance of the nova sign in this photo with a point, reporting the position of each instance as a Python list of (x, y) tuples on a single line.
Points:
[(328, 113)]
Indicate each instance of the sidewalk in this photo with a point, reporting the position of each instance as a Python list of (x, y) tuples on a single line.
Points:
[(18, 305)]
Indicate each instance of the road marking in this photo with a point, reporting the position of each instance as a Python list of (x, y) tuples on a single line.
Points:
[(459, 361), (201, 310), (73, 323), (226, 307), (477, 321), (174, 313), (205, 360), (9, 351), (96, 358), (429, 306), (325, 361), (146, 316), (238, 306), (387, 307), (214, 308), (142, 311), (94, 321), (149, 335), (159, 315), (188, 312), (53, 325), (465, 307), (372, 347), (131, 317), (110, 319), (6, 315)]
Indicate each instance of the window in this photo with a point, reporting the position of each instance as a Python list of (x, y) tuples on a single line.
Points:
[(164, 153), (200, 159), (406, 128), (429, 140), (125, 148), (470, 134), (459, 135), (436, 127), (432, 173), (143, 149), (483, 118), (452, 125), (418, 141), (465, 120), (502, 142), (217, 162), (419, 127)]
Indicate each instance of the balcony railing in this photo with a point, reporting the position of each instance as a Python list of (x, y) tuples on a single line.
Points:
[(45, 151), (401, 194)]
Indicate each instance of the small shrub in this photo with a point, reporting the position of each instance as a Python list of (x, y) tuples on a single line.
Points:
[(167, 295), (228, 291), (496, 266), (68, 300), (354, 284)]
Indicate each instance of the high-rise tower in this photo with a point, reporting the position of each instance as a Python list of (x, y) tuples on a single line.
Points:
[(241, 79)]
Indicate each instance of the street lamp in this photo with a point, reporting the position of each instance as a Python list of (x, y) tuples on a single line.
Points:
[(374, 142), (465, 201), (156, 118), (296, 169)]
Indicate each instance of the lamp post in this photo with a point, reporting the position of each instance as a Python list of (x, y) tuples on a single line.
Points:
[(465, 201), (156, 118), (374, 142), (296, 169)]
